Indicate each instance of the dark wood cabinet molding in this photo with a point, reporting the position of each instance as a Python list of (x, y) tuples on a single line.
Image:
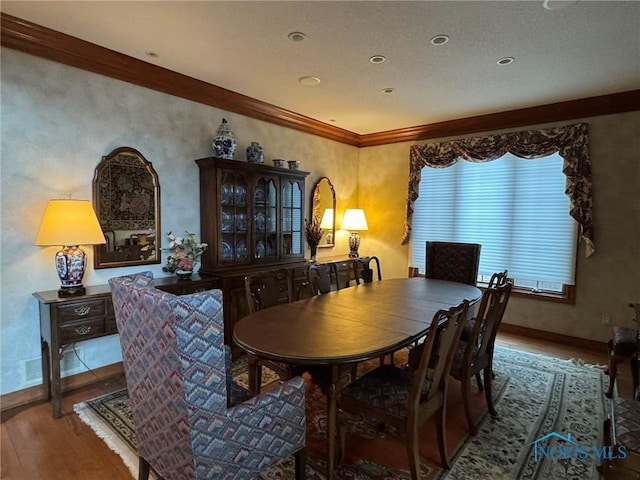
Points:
[(43, 42)]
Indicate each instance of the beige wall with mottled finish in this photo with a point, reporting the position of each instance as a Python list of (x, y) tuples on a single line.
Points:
[(606, 282), (57, 123)]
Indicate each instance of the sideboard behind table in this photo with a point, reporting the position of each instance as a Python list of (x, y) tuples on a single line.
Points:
[(66, 320)]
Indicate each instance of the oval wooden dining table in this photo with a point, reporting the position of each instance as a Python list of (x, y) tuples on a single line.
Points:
[(335, 331)]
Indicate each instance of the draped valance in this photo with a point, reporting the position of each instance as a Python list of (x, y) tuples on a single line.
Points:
[(570, 142)]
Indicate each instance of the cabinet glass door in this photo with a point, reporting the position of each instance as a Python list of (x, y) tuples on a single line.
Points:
[(234, 218), (291, 218), (265, 226)]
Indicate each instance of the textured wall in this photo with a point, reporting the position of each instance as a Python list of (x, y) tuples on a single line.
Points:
[(57, 123), (606, 282)]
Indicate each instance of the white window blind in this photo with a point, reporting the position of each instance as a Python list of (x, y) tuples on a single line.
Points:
[(515, 208)]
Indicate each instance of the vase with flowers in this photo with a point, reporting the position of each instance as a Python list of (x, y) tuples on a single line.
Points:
[(185, 254), (313, 233)]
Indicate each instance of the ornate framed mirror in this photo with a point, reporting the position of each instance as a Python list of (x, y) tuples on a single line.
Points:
[(323, 207), (126, 198)]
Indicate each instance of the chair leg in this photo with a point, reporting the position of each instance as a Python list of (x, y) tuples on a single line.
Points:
[(466, 386), (635, 376), (143, 469), (301, 464), (479, 382), (442, 437), (604, 463), (488, 382), (413, 453), (613, 371), (342, 436)]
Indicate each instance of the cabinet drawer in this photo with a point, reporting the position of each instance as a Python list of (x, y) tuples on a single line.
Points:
[(77, 331), (81, 310)]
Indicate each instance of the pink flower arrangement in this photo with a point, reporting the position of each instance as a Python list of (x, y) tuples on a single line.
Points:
[(185, 252)]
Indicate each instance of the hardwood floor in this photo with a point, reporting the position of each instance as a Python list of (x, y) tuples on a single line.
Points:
[(34, 446), (37, 447)]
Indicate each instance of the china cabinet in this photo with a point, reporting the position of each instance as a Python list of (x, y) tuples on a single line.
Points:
[(252, 216)]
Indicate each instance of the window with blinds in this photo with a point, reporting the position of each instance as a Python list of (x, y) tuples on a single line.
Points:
[(515, 208)]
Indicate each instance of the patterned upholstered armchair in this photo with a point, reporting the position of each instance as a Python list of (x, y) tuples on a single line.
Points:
[(191, 420)]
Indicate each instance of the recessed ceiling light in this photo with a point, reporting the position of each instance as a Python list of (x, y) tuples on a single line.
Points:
[(378, 59), (506, 61), (151, 54), (309, 81), (557, 4), (439, 40), (297, 37), (388, 90)]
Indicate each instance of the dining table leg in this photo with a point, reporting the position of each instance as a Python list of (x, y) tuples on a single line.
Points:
[(340, 376), (332, 410), (253, 369)]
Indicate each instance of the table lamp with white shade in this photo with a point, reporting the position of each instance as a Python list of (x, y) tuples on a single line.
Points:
[(327, 223), (354, 220), (70, 223)]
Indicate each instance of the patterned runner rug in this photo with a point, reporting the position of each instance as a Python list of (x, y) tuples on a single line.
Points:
[(550, 413)]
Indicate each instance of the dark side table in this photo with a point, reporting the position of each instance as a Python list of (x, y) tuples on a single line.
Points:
[(67, 320)]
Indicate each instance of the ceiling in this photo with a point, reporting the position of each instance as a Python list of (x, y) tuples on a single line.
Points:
[(563, 50)]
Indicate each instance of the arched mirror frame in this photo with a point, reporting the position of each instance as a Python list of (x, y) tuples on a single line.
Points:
[(134, 240), (323, 197)]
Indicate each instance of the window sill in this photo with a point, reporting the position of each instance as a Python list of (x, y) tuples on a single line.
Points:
[(568, 296)]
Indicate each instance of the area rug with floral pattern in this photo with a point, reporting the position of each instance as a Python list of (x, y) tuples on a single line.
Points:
[(544, 405)]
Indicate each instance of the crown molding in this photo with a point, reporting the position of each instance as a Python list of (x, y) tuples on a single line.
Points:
[(569, 110), (43, 42)]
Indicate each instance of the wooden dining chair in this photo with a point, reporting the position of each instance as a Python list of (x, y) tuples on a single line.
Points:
[(265, 290), (497, 279), (625, 345), (363, 273), (406, 398), (456, 262), (362, 269), (475, 355), (320, 278)]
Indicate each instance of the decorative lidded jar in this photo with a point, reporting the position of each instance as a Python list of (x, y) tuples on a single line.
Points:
[(255, 154), (224, 143)]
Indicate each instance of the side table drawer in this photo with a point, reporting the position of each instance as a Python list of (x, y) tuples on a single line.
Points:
[(110, 325), (82, 330), (81, 310)]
